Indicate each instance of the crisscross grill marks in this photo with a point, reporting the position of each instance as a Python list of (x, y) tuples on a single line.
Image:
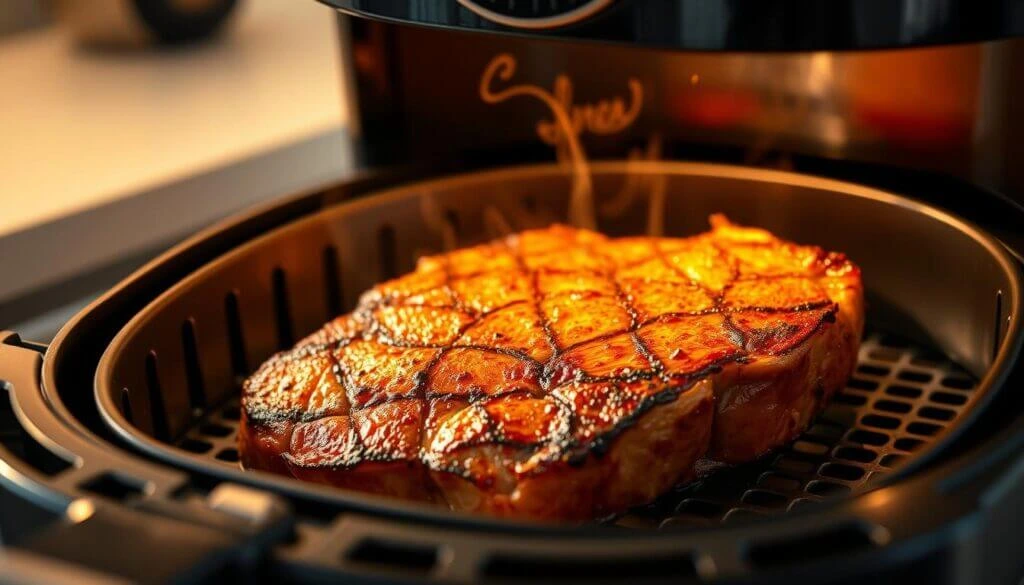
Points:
[(494, 361)]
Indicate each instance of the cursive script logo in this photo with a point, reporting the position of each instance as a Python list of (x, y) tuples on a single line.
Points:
[(599, 118), (568, 123)]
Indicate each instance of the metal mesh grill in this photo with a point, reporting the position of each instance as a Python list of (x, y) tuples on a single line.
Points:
[(900, 398)]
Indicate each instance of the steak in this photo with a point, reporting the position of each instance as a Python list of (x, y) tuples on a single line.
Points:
[(559, 374)]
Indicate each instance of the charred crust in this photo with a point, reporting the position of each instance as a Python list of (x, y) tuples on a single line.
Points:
[(559, 447)]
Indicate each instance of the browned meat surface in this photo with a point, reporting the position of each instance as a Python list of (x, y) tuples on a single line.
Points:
[(559, 374)]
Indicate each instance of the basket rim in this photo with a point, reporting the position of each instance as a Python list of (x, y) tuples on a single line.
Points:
[(105, 394)]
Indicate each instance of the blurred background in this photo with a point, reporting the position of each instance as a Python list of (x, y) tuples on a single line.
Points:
[(173, 113), (17, 15)]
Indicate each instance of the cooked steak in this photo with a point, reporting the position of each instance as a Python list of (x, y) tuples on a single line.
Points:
[(560, 374)]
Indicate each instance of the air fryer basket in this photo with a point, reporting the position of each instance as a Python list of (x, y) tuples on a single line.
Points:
[(940, 300)]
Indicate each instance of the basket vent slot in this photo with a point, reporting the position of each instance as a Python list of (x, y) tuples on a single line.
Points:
[(282, 313), (999, 325), (915, 376), (835, 542), (452, 219), (958, 383), (948, 399), (229, 455), (841, 471), (529, 203), (332, 282), (827, 488), (193, 371), (216, 430), (923, 428), (858, 454), (892, 460), (893, 406), (778, 483), (126, 406), (908, 444), (195, 446), (114, 486), (742, 515), (936, 413), (702, 508), (158, 413), (592, 568), (236, 342), (764, 499), (404, 556), (879, 421), (387, 252), (903, 391)]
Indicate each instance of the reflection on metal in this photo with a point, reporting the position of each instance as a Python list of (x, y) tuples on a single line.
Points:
[(80, 510)]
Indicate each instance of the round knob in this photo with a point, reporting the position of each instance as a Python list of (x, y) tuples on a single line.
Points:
[(535, 14)]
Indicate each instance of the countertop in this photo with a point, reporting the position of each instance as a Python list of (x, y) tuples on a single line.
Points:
[(108, 154)]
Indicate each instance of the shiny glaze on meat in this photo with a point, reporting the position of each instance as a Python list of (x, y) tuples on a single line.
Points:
[(561, 374)]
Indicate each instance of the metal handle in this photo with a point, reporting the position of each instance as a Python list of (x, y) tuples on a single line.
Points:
[(123, 544), (19, 374), (166, 542), (150, 536)]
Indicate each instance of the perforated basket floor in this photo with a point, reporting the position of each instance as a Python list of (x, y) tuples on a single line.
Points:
[(899, 400)]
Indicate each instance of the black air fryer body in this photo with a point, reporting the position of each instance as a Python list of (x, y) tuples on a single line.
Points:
[(913, 96), (886, 129)]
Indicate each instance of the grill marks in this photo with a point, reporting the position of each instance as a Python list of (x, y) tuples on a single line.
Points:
[(478, 372), (689, 344), (543, 346)]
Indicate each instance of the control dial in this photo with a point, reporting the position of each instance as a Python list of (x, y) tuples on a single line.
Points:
[(535, 14)]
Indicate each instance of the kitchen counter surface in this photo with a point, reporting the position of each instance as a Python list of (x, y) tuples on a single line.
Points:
[(104, 155)]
